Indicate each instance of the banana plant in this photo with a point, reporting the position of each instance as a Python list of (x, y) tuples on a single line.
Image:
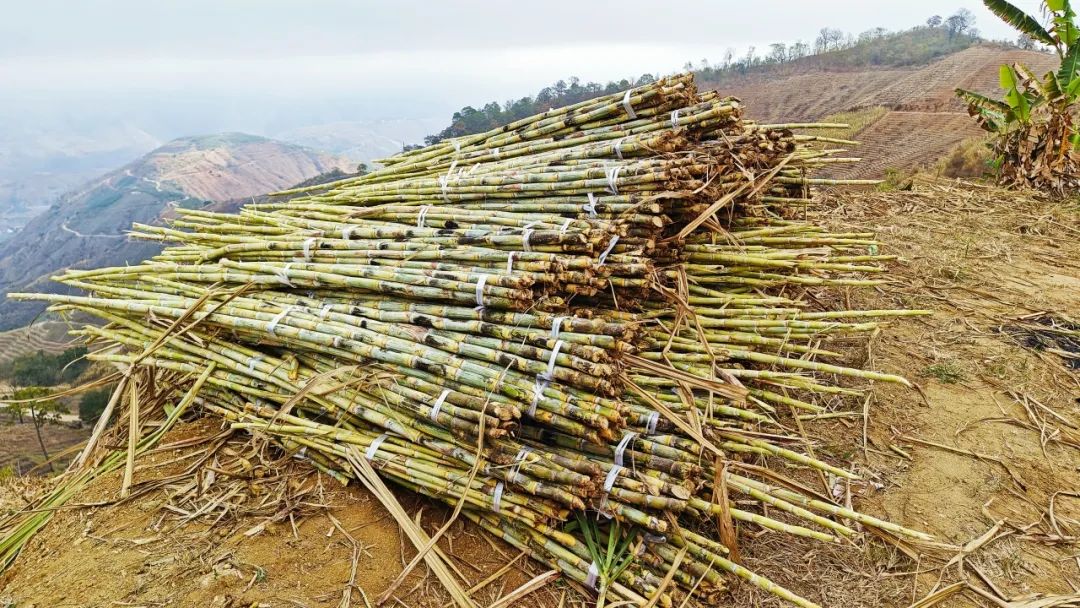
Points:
[(1025, 92), (1040, 107)]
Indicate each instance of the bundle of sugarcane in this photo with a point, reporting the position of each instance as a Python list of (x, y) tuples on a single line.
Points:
[(595, 309)]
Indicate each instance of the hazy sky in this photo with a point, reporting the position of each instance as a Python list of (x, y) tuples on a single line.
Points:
[(392, 59)]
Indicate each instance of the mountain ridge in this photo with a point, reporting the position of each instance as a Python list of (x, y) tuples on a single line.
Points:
[(87, 227)]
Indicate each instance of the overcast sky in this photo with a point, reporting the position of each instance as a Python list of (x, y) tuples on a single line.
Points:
[(395, 59)]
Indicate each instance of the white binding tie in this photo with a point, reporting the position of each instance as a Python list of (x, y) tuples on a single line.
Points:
[(611, 245), (283, 276), (618, 147), (277, 319), (626, 105), (325, 310), (444, 183), (480, 291), (510, 262), (674, 119), (590, 207), (650, 424), (565, 226), (423, 214), (556, 327), (613, 178), (621, 448), (549, 375), (374, 447), (591, 576), (526, 234), (496, 497), (308, 244), (517, 462), (438, 405)]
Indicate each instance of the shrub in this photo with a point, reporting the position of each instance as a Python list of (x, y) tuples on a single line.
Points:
[(93, 404)]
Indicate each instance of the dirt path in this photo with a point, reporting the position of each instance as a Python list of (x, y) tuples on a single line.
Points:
[(980, 258)]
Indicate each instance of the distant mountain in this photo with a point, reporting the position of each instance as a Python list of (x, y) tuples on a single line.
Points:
[(85, 229), (39, 163), (363, 141)]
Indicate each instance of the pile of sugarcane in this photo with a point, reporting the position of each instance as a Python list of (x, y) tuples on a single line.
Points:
[(597, 314)]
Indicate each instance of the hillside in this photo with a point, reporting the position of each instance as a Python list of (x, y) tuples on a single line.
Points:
[(86, 227), (923, 118), (813, 91)]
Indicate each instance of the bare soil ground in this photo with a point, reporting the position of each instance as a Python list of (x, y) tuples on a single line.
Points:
[(1003, 416)]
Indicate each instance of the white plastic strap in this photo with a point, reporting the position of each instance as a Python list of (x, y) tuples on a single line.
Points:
[(273, 322), (457, 145), (607, 252), (650, 424), (283, 276), (591, 575), (549, 374), (517, 461), (495, 153), (621, 448), (374, 447), (510, 262), (480, 290), (565, 225), (613, 474), (423, 214), (443, 183), (591, 206), (438, 405), (613, 178), (675, 119), (538, 392), (346, 232), (308, 244), (325, 310), (629, 108), (618, 147), (252, 362), (496, 497), (556, 327), (526, 234)]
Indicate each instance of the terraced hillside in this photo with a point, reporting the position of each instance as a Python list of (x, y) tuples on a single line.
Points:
[(923, 119), (905, 140), (50, 337)]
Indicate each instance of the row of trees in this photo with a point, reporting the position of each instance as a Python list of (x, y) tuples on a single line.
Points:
[(43, 369), (876, 46), (469, 120)]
